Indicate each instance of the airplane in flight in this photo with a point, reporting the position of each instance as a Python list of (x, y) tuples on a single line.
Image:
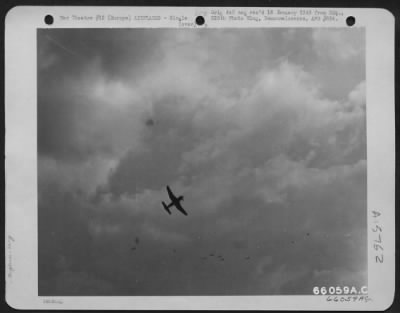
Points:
[(175, 201)]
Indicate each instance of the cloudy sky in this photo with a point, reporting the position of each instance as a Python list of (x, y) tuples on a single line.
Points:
[(262, 130)]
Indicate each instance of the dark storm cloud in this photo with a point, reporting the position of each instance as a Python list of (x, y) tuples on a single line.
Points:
[(63, 237), (337, 51), (68, 61), (268, 150), (74, 48), (164, 144), (72, 60)]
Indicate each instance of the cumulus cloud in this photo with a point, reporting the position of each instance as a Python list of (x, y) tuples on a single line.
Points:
[(357, 96), (268, 149), (339, 44)]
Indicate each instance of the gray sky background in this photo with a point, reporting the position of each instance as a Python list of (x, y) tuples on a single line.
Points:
[(262, 130)]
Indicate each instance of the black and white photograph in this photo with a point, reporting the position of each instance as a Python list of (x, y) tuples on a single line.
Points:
[(199, 158), (201, 161)]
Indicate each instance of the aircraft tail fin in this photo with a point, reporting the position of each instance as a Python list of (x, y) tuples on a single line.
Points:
[(166, 207)]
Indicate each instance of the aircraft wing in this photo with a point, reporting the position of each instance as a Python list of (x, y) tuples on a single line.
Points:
[(179, 207), (170, 194)]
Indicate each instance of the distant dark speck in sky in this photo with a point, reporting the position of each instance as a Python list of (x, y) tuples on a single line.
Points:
[(149, 122)]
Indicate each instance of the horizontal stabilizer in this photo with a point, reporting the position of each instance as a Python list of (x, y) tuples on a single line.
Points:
[(166, 207)]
